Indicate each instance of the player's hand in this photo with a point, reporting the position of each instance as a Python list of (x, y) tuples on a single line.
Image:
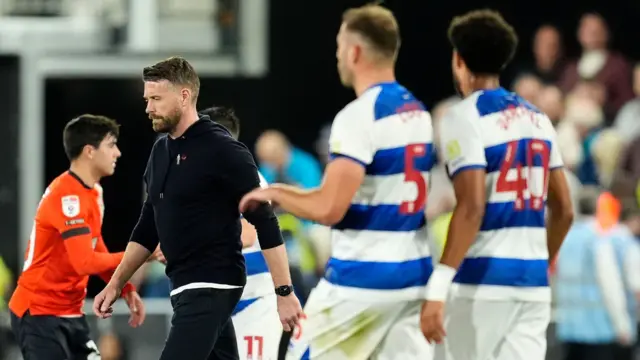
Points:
[(102, 303), (254, 198), (290, 311), (136, 306), (158, 256), (432, 321)]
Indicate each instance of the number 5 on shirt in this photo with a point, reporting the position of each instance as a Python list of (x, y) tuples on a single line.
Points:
[(534, 149), (412, 175)]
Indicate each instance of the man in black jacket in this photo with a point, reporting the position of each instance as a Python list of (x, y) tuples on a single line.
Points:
[(196, 175)]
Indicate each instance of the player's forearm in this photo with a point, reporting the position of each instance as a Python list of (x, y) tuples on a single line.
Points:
[(306, 204), (278, 264), (463, 229), (106, 277), (97, 263), (135, 255), (86, 261), (558, 225)]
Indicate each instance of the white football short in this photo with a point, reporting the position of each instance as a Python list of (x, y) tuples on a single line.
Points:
[(258, 330), (339, 329), (494, 330)]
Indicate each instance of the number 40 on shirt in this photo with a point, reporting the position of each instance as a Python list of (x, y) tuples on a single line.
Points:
[(530, 160)]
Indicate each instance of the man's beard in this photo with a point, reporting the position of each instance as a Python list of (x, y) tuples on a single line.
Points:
[(166, 124)]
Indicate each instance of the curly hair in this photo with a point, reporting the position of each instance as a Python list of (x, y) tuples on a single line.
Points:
[(484, 40)]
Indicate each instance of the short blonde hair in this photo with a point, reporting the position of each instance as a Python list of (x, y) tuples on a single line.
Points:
[(377, 25)]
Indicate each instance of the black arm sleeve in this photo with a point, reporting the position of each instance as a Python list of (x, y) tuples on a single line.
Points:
[(145, 232), (267, 227), (243, 177)]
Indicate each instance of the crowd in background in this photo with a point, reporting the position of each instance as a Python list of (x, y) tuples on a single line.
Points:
[(594, 103)]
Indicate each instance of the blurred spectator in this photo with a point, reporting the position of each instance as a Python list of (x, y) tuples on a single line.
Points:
[(589, 89), (441, 197), (570, 145), (599, 63), (440, 109), (550, 101), (596, 284), (627, 123), (583, 118), (528, 86), (281, 162), (547, 55), (606, 149), (627, 176)]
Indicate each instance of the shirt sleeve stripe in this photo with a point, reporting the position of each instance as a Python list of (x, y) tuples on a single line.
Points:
[(75, 232)]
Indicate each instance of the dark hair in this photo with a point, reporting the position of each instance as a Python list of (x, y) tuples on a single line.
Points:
[(484, 40), (225, 117), (86, 130), (377, 25), (175, 70)]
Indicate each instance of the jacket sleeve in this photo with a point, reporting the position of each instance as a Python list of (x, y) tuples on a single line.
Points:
[(145, 232), (242, 177)]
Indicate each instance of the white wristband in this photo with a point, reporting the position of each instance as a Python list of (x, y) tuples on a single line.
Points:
[(440, 282)]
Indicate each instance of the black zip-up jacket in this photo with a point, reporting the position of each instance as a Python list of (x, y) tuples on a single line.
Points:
[(194, 186)]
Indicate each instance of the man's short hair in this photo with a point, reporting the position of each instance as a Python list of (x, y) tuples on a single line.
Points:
[(175, 70), (86, 130), (484, 40), (225, 117), (377, 26)]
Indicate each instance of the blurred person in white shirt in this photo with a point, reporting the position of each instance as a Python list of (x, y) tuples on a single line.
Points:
[(579, 128), (598, 281), (627, 122), (441, 198)]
